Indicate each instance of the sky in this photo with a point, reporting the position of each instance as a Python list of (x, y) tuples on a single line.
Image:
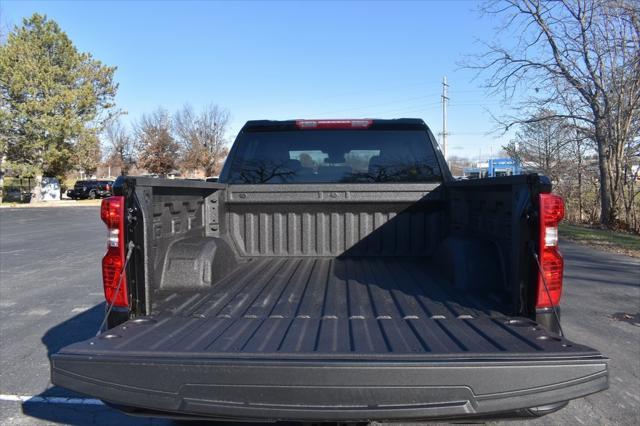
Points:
[(289, 60)]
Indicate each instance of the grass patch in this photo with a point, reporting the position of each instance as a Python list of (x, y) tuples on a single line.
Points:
[(619, 242)]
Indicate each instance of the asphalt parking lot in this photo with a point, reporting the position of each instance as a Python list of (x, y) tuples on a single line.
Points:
[(51, 296)]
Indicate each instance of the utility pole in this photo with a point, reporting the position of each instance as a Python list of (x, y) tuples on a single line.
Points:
[(445, 100)]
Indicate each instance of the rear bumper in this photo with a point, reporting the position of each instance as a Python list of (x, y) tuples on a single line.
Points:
[(329, 390)]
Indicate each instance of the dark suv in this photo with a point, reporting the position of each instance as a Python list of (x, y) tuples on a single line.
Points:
[(90, 189)]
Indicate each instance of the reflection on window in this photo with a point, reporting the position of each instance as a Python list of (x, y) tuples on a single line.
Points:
[(333, 157)]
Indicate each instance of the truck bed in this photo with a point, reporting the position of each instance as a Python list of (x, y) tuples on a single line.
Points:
[(323, 307), (330, 303), (329, 339)]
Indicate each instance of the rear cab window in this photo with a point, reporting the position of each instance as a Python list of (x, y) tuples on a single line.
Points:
[(332, 156)]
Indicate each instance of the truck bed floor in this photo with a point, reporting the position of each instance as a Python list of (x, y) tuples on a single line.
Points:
[(323, 307)]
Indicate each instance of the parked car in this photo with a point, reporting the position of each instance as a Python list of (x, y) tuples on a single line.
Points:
[(13, 194), (337, 272), (91, 189)]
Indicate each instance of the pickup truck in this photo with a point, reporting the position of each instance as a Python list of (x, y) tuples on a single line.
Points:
[(336, 272), (91, 189)]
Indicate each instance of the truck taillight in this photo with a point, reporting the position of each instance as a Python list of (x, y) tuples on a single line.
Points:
[(551, 262), (112, 214)]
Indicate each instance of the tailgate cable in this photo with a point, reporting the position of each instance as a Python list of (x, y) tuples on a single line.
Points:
[(546, 289), (130, 248)]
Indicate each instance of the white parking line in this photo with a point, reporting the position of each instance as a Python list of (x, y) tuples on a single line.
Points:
[(12, 251), (38, 312), (50, 399)]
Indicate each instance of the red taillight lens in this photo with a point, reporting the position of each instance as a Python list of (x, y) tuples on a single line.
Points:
[(552, 265), (551, 209), (111, 267), (112, 214), (551, 262), (112, 211), (333, 124)]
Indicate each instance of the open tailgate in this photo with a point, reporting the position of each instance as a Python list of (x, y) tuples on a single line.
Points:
[(230, 368)]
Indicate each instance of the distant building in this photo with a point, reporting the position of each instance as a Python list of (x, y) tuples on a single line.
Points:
[(493, 167)]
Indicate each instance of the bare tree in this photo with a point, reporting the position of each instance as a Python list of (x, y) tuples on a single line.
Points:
[(157, 149), (631, 180), (202, 137), (578, 152), (120, 146), (543, 143), (457, 164), (580, 58)]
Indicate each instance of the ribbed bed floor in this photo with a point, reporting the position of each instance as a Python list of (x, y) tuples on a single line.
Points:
[(326, 288), (322, 307)]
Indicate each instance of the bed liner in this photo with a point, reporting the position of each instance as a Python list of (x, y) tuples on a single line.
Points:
[(330, 339), (324, 306)]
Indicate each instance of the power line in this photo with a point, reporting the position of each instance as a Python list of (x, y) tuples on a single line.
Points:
[(487, 133), (365, 107), (410, 108), (369, 90)]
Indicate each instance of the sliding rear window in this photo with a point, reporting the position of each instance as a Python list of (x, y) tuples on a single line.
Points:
[(333, 156)]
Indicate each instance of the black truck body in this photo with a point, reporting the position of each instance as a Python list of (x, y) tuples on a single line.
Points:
[(344, 301)]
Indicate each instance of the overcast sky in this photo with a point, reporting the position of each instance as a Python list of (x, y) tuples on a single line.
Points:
[(289, 60)]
